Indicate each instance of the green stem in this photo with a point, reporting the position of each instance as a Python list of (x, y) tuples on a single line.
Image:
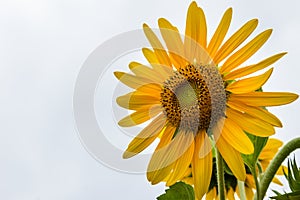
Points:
[(220, 174), (241, 186), (253, 172), (275, 164)]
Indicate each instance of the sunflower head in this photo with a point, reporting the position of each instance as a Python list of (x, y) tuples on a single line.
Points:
[(194, 98), (198, 95)]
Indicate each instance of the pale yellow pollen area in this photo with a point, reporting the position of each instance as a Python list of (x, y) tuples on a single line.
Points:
[(186, 95)]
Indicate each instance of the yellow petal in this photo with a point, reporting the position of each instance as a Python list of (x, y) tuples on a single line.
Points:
[(272, 144), (134, 102), (150, 56), (171, 36), (173, 41), (238, 73), (163, 159), (264, 98), (188, 172), (201, 53), (162, 71), (270, 149), (201, 166), (131, 80), (230, 194), (267, 155), (195, 35), (249, 193), (232, 158), (164, 142), (202, 39), (255, 112), (188, 180), (212, 194), (250, 182), (281, 170), (145, 137), (166, 137), (250, 124), (159, 50), (196, 25), (145, 72), (220, 33), (249, 84), (246, 52), (235, 40), (152, 89), (182, 163), (277, 181), (264, 164), (140, 116), (191, 34), (234, 135)]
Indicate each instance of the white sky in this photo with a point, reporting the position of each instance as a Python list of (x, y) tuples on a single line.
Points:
[(43, 44)]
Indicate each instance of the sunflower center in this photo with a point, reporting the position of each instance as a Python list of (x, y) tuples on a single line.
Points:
[(194, 97), (185, 94)]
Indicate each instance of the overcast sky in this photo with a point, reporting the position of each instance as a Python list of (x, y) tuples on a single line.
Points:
[(43, 45)]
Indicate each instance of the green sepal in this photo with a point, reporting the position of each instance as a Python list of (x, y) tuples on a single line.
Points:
[(178, 191)]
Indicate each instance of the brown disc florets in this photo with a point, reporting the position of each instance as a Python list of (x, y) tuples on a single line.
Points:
[(194, 97)]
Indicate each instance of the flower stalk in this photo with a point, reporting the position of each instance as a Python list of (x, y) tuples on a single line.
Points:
[(220, 175), (253, 172), (241, 186), (275, 165)]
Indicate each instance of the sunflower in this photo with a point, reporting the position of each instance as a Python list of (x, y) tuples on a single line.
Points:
[(264, 159), (196, 97), (232, 188)]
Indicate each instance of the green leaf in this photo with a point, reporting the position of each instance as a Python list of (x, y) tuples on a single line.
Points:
[(293, 178), (293, 175), (287, 196), (259, 143), (296, 170), (178, 191)]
